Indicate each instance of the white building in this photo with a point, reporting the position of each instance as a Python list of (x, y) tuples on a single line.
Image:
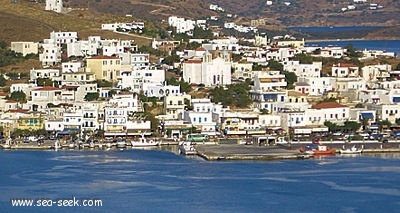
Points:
[(54, 5), (269, 81), (51, 55), (44, 73), (303, 70), (60, 38), (345, 70), (208, 70), (181, 25), (319, 85)]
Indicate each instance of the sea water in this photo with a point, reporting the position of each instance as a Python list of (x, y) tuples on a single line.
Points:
[(383, 45), (163, 181)]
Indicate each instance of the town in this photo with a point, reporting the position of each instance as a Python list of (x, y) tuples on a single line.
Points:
[(224, 89)]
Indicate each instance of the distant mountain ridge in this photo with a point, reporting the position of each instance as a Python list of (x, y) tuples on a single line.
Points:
[(285, 13)]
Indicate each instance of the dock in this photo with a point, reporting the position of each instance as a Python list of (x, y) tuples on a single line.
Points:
[(246, 152)]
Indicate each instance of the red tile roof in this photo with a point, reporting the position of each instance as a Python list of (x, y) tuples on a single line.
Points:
[(328, 105), (193, 61), (200, 49), (11, 101), (47, 88), (344, 65), (103, 57)]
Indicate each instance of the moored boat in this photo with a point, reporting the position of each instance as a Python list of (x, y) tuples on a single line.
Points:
[(317, 149), (187, 148), (352, 150), (143, 142)]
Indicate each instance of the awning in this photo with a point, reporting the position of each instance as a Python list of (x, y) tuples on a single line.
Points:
[(367, 115), (396, 99)]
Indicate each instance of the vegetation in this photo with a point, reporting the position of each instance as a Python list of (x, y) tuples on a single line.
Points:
[(200, 33), (275, 65), (303, 58), (104, 83), (352, 51), (92, 96), (18, 96), (290, 78), (46, 82), (232, 95), (349, 126), (185, 87)]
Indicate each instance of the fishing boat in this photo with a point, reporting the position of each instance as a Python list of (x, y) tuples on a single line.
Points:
[(317, 149), (143, 142), (352, 150), (187, 148)]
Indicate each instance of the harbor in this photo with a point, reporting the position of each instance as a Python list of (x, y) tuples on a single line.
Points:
[(216, 151)]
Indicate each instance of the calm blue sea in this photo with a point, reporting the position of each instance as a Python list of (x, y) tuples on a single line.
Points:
[(386, 45), (162, 181)]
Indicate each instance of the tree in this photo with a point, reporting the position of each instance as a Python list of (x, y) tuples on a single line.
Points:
[(17, 96), (201, 33), (303, 58), (275, 65), (290, 78), (3, 81), (104, 83), (170, 60), (397, 67), (352, 126), (92, 96)]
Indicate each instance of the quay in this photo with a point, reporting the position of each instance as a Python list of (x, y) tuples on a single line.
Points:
[(216, 151)]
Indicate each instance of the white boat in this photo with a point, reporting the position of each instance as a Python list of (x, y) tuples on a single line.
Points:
[(71, 145), (57, 145), (187, 148), (143, 142), (352, 150), (121, 144)]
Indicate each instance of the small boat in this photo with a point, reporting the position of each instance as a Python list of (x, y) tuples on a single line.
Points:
[(352, 150), (71, 145), (316, 149), (143, 142), (121, 144), (57, 145), (187, 148)]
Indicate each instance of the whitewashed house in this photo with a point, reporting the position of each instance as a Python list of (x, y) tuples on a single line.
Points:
[(345, 70), (376, 72), (54, 5), (319, 85), (51, 55), (127, 100), (389, 112), (60, 38), (201, 116), (181, 24), (269, 81), (44, 73), (327, 111), (303, 70)]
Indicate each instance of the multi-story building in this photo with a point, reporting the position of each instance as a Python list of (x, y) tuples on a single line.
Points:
[(303, 70), (105, 67)]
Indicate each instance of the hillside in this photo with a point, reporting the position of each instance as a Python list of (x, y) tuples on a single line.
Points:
[(28, 21), (298, 13)]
